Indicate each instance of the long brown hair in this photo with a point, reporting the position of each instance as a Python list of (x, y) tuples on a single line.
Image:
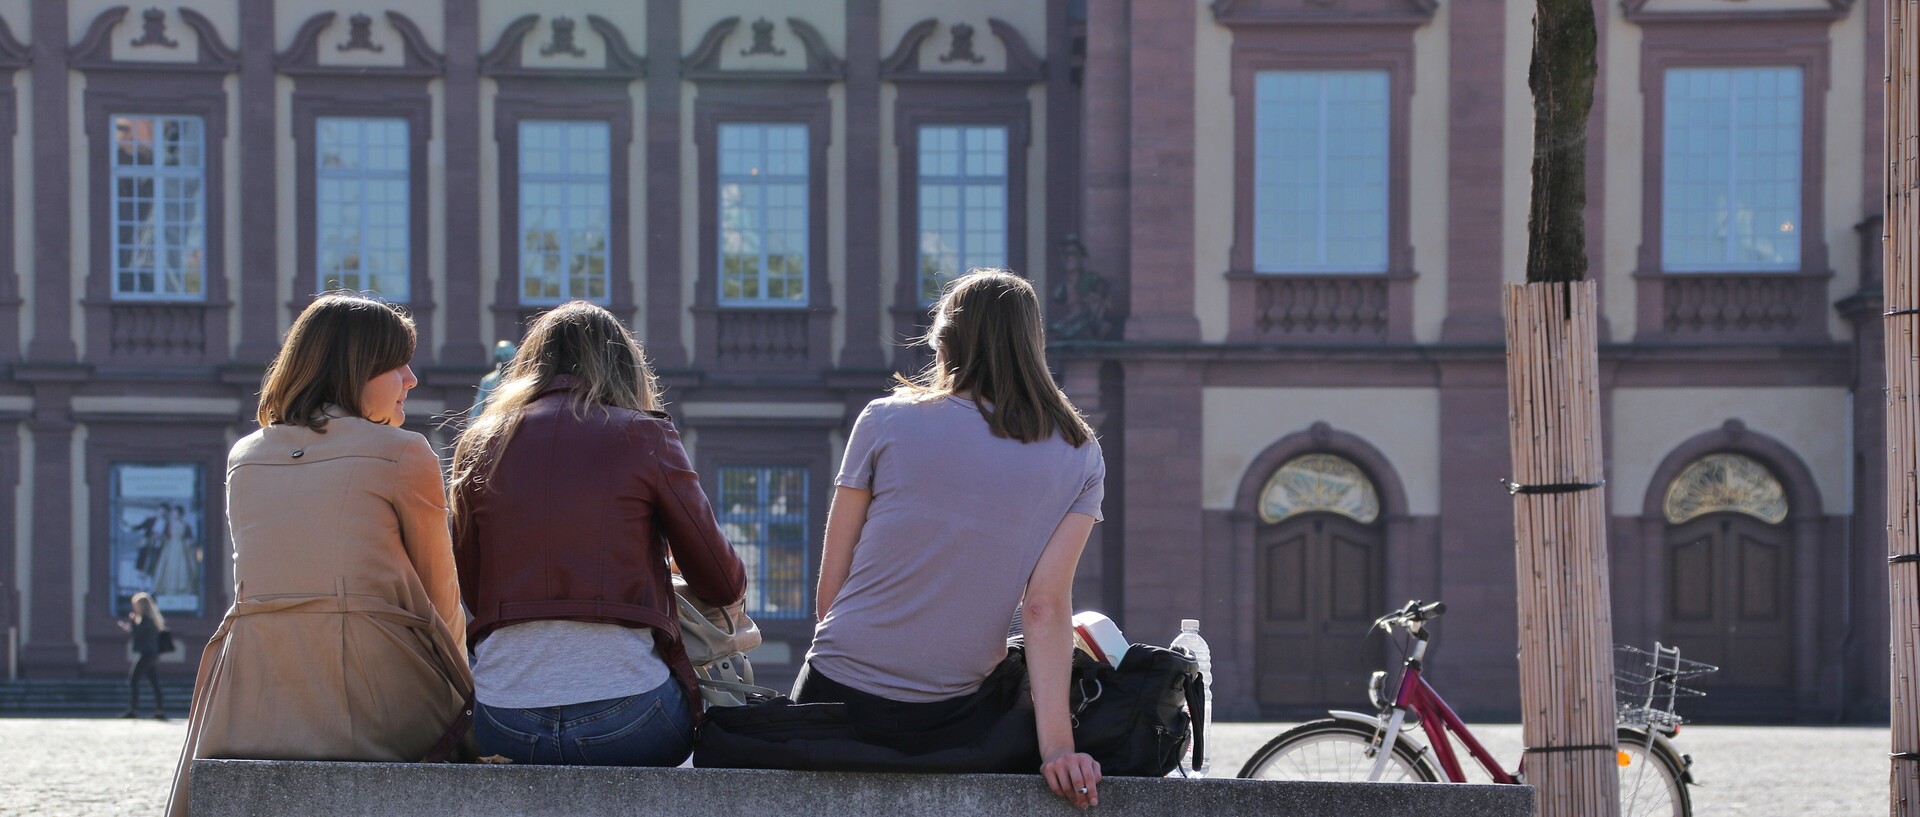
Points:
[(339, 342), (152, 610), (988, 344), (578, 339)]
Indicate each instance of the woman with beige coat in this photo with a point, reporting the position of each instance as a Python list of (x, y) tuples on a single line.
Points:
[(345, 640)]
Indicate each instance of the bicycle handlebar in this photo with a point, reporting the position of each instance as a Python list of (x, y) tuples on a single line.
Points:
[(1413, 614)]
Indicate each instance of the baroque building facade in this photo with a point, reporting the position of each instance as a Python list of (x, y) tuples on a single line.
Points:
[(1271, 235)]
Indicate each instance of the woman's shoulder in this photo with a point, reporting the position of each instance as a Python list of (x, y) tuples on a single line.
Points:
[(288, 444), (384, 441), (908, 403)]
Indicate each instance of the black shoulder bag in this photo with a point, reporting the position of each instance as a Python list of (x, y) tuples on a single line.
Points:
[(1134, 719)]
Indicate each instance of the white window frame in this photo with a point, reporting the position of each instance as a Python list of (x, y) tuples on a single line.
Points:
[(749, 525), (1267, 159), (1725, 217), (364, 179), (976, 174), (595, 189), (157, 251), (754, 223)]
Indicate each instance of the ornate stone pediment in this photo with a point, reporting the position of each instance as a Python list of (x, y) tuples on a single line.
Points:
[(961, 48), (302, 57), (705, 61), (146, 45), (558, 46)]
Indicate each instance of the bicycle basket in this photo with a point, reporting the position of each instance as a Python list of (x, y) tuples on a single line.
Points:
[(1648, 684)]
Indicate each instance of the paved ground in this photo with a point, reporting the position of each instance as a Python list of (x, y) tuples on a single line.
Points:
[(107, 768)]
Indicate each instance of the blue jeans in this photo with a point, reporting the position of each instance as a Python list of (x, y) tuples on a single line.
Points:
[(649, 729)]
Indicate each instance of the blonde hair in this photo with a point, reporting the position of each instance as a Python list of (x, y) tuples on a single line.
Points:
[(578, 339), (988, 344), (153, 610), (339, 342)]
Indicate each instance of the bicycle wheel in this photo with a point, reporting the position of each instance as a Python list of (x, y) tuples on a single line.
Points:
[(1335, 750), (1650, 778)]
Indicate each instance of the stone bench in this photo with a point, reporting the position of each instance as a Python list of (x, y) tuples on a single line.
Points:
[(231, 788)]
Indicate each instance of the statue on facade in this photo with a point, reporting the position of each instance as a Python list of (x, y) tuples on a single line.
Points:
[(1084, 297), (503, 353)]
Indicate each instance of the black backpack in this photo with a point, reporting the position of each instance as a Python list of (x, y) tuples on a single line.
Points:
[(1134, 719)]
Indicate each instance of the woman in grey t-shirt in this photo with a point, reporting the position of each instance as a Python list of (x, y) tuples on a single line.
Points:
[(966, 494)]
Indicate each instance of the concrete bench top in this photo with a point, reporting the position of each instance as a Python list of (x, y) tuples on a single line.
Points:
[(230, 788)]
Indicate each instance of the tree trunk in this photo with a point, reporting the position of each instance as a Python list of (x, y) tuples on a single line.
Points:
[(1560, 548), (1561, 77)]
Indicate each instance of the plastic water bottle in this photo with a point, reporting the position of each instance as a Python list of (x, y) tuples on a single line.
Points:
[(1190, 640)]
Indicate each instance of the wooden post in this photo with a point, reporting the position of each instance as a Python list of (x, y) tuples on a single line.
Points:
[(1559, 521), (1902, 299)]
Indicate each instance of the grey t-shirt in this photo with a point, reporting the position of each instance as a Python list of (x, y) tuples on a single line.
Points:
[(958, 521), (555, 662)]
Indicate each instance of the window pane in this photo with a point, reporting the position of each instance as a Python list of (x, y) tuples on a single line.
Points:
[(1320, 171), (565, 203), (1730, 196), (157, 204), (763, 512), (363, 213), (962, 203), (763, 200)]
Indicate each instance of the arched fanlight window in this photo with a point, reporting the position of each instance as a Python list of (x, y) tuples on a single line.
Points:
[(1726, 483), (1320, 483)]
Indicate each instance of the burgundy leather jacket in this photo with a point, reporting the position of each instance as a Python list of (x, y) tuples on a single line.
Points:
[(576, 521)]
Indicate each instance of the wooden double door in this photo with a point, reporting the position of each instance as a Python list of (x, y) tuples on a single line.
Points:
[(1318, 590), (1729, 602)]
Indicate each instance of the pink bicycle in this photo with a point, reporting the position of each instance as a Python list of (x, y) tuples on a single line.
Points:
[(1349, 746)]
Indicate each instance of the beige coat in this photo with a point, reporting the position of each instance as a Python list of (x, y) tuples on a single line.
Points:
[(346, 640)]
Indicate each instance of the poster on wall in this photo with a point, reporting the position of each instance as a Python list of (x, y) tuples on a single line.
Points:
[(159, 542)]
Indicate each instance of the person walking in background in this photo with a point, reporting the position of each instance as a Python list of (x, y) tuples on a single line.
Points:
[(345, 640), (569, 493), (973, 487), (143, 627)]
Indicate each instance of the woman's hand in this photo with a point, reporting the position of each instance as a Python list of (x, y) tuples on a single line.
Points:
[(1074, 776)]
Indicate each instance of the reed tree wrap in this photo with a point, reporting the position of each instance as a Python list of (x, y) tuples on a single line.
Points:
[(1902, 299), (1559, 521)]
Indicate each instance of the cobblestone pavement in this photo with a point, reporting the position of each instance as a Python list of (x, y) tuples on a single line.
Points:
[(107, 768)]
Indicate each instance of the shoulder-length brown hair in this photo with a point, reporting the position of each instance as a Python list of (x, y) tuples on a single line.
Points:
[(339, 342), (578, 339), (988, 345)]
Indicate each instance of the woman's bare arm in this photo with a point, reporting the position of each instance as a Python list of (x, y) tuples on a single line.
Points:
[(1046, 618), (844, 520)]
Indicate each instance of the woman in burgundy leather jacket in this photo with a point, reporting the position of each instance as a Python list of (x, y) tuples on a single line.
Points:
[(569, 494)]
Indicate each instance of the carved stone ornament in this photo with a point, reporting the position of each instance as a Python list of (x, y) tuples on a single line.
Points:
[(1319, 483), (1022, 65), (154, 29), (94, 51), (562, 40), (1084, 297), (962, 49), (1726, 483), (302, 57), (703, 63), (503, 59), (360, 35), (762, 40)]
